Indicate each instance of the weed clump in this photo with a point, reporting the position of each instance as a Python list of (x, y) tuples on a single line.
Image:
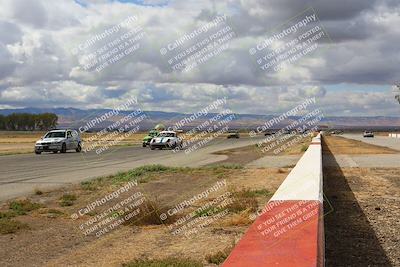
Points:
[(67, 200), (150, 212), (22, 207), (217, 258), (141, 172), (8, 226)]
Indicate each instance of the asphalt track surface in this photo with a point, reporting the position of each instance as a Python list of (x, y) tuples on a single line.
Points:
[(21, 174)]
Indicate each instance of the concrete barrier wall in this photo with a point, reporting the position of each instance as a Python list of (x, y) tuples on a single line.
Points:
[(289, 231)]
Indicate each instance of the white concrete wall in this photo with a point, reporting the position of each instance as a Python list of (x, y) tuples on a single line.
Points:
[(304, 182), (394, 135)]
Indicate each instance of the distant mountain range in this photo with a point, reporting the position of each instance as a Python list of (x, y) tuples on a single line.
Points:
[(75, 118)]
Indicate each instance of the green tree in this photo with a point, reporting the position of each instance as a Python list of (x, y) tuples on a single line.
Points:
[(28, 122), (2, 122)]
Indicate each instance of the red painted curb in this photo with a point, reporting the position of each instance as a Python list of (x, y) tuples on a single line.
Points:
[(288, 234), (291, 230)]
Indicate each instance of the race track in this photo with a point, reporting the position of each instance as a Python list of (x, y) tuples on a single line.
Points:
[(22, 174)]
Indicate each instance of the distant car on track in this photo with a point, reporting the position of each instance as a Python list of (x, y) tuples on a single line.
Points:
[(368, 134), (59, 140), (233, 134), (166, 139), (267, 133)]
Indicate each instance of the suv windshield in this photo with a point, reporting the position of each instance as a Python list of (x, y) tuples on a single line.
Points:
[(55, 134), (167, 135)]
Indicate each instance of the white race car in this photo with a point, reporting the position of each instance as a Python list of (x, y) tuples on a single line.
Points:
[(59, 140), (368, 134), (166, 139)]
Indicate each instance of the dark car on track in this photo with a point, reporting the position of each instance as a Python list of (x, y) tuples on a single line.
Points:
[(233, 134)]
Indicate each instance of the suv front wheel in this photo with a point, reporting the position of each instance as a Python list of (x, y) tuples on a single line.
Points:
[(63, 148), (78, 148)]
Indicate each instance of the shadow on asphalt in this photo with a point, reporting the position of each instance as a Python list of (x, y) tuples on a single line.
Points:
[(349, 238)]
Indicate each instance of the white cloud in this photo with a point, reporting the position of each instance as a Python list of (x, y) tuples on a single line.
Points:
[(36, 39)]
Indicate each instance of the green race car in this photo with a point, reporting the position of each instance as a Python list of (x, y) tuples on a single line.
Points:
[(149, 136)]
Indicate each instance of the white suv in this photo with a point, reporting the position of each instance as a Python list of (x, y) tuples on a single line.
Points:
[(59, 140)]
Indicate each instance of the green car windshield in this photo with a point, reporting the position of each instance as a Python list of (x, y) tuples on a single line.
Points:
[(153, 133)]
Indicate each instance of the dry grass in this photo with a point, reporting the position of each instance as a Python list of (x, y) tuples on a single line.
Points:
[(67, 200), (239, 219), (219, 256), (341, 145), (16, 208), (151, 211), (9, 226), (164, 188), (22, 207), (168, 262), (247, 154)]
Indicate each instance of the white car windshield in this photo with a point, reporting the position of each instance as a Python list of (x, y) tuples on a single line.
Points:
[(55, 135), (167, 135)]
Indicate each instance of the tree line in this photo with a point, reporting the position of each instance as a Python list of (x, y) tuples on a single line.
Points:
[(28, 122)]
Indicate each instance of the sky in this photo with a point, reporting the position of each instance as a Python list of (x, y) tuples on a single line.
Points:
[(45, 51)]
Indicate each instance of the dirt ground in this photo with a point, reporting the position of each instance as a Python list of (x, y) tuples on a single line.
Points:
[(362, 225), (341, 145), (247, 154), (54, 239), (18, 142)]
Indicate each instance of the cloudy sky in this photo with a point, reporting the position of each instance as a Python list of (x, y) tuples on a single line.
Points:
[(46, 46)]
